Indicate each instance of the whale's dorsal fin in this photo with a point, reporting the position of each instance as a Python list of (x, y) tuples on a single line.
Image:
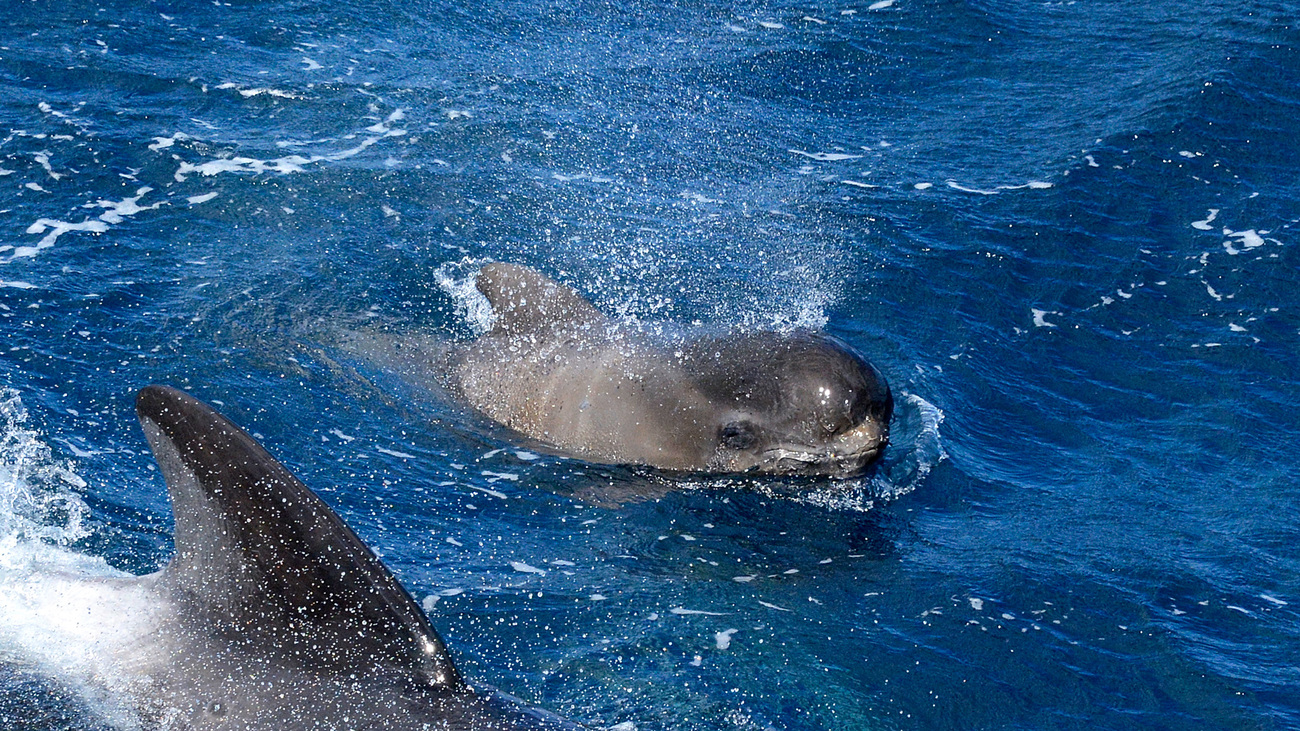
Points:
[(525, 300), (262, 561)]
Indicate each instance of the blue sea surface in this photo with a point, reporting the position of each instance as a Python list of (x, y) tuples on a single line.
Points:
[(1067, 232)]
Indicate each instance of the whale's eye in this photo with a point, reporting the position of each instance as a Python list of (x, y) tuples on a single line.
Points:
[(738, 435)]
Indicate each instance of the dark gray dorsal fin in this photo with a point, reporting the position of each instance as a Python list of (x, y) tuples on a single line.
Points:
[(260, 558), (525, 300)]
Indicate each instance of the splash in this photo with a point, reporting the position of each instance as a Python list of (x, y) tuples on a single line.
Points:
[(927, 446), (38, 501), (916, 449), (457, 278), (809, 298), (62, 612)]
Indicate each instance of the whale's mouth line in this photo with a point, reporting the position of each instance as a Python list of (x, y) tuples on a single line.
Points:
[(781, 454), (845, 463)]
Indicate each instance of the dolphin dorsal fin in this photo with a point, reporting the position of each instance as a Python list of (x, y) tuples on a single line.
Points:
[(261, 559), (525, 300)]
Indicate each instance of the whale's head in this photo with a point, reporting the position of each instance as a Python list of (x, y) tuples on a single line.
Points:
[(794, 403)]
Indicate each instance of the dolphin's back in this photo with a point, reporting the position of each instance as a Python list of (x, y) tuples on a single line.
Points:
[(262, 560)]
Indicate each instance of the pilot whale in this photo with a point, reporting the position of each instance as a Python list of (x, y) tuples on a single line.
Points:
[(272, 615), (559, 371)]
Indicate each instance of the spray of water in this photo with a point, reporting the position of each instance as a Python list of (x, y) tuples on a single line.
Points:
[(38, 501), (456, 279), (65, 613)]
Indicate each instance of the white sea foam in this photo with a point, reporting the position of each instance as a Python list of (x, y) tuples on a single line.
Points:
[(43, 159), (290, 163), (55, 230), (1031, 185), (247, 93), (723, 638), (1246, 239), (1204, 224), (162, 143), (827, 156), (115, 212), (498, 476), (956, 186), (240, 164)]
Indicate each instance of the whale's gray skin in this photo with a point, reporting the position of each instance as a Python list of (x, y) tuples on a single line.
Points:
[(557, 370), (273, 614)]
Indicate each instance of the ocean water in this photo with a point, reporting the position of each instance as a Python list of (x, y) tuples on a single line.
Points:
[(1066, 232)]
